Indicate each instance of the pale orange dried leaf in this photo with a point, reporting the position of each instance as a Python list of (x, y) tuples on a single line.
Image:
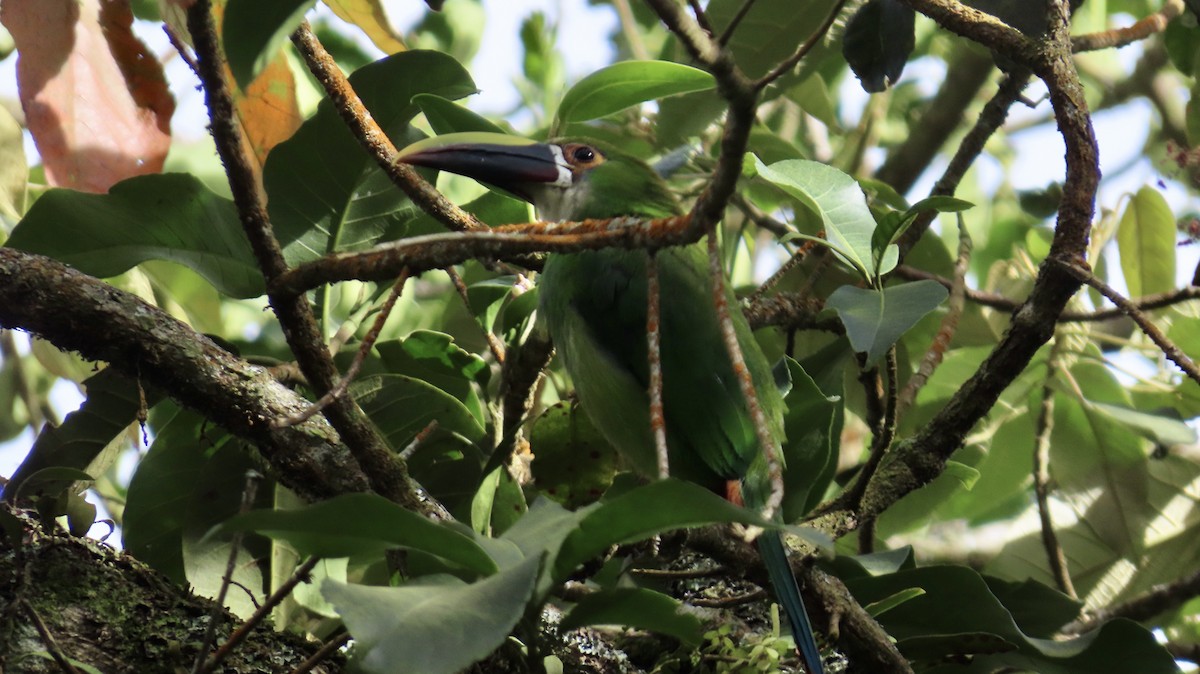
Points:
[(371, 18), (94, 98), (268, 110)]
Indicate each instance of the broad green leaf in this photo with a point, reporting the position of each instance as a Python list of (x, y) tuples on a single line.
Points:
[(89, 438), (572, 463), (839, 202), (438, 353), (875, 319), (191, 480), (402, 406), (769, 32), (1100, 463), (878, 41), (958, 607), (435, 624), (253, 31), (1146, 241), (651, 509), (498, 504), (1161, 429), (639, 608), (628, 83), (813, 427), (446, 116), (326, 193), (354, 524), (169, 216)]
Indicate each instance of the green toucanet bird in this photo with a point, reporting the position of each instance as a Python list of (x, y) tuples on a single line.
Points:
[(594, 304)]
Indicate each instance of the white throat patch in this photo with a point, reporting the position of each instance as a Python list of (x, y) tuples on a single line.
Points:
[(565, 175)]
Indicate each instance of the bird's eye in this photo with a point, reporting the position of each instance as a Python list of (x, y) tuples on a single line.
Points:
[(583, 154)]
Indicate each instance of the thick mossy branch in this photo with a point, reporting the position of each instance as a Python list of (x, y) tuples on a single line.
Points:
[(76, 312)]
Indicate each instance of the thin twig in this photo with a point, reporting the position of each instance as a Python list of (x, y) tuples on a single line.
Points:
[(360, 357), (629, 30), (802, 252), (813, 40), (1155, 601), (734, 600), (1119, 37), (1041, 480), (301, 574), (762, 429), (47, 637), (679, 574), (419, 439), (701, 17), (884, 428), (25, 392), (326, 649), (1169, 349), (182, 49), (658, 421), (949, 325), (494, 344), (249, 491), (734, 21)]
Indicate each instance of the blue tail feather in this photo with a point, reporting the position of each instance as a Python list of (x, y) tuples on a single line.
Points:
[(770, 547)]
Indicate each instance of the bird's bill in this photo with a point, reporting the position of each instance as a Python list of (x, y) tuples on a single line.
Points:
[(507, 162)]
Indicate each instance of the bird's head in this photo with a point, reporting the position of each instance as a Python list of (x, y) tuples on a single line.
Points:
[(565, 179)]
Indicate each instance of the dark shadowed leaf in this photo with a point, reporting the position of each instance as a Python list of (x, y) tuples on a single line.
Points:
[(638, 608), (878, 41), (354, 524), (253, 31)]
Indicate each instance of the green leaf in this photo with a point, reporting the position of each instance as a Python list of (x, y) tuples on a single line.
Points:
[(642, 512), (958, 615), (446, 116), (1146, 241), (878, 608), (1161, 429), (813, 427), (435, 358), (254, 31), (769, 32), (876, 319), (168, 216), (572, 462), (191, 480), (436, 624), (498, 504), (402, 406), (326, 193), (638, 608), (361, 524), (893, 225), (628, 83), (837, 200)]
